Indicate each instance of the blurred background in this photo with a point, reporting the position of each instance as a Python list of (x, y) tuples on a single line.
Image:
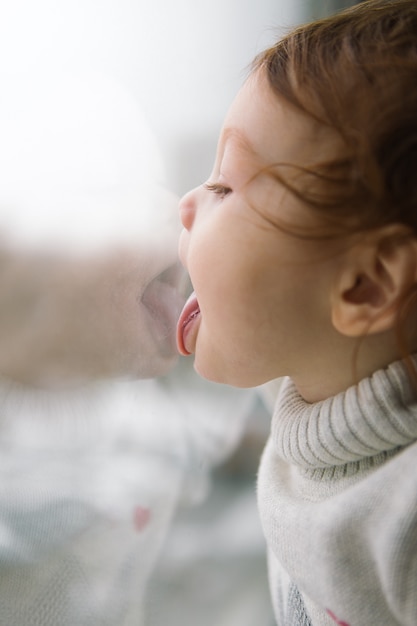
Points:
[(182, 61)]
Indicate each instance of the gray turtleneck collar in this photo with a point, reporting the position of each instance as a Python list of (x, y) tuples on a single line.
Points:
[(378, 415)]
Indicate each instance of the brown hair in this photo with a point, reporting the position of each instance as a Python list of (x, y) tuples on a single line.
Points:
[(356, 72)]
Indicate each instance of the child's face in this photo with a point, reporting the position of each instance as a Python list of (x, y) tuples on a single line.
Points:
[(261, 303)]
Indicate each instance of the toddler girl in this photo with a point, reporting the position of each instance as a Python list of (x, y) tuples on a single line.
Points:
[(302, 250)]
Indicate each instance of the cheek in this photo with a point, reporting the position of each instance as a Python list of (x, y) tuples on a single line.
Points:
[(205, 253)]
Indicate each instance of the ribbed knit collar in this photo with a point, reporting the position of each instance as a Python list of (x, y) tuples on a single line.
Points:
[(377, 415)]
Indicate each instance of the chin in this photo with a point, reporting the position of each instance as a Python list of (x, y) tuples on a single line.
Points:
[(207, 372), (222, 377)]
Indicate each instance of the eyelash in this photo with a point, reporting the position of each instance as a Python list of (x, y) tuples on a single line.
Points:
[(219, 190)]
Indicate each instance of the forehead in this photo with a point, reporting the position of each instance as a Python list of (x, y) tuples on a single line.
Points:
[(270, 130)]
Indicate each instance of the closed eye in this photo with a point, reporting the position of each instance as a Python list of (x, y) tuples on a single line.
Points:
[(218, 189)]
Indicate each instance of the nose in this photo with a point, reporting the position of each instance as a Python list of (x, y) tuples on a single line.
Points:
[(187, 208)]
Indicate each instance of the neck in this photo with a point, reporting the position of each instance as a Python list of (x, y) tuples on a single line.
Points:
[(332, 371)]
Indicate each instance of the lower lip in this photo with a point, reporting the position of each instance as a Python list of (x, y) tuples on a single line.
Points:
[(188, 325)]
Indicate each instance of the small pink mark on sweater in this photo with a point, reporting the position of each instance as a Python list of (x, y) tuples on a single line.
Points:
[(339, 622), (141, 517)]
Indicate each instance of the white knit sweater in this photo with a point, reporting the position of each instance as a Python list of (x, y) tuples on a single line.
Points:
[(337, 496)]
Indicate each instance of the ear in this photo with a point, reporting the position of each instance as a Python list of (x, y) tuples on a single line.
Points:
[(378, 272)]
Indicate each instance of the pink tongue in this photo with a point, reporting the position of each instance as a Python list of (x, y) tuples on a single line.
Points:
[(189, 313)]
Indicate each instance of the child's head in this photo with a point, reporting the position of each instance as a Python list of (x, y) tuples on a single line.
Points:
[(304, 240)]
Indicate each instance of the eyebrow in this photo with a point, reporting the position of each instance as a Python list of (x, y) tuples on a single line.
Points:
[(240, 138)]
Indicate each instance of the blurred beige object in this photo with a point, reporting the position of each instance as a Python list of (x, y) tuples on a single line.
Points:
[(64, 321)]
